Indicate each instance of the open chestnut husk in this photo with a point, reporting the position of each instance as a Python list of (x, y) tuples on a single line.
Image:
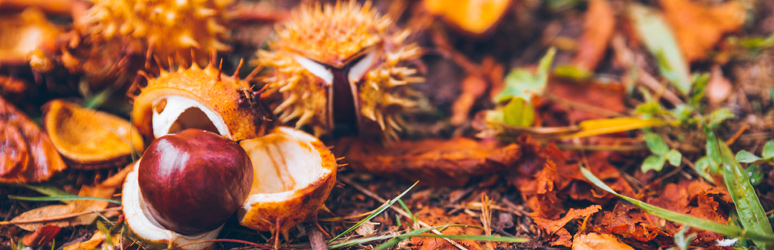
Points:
[(293, 176), (185, 187)]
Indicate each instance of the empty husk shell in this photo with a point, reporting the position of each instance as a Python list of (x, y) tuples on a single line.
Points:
[(89, 139)]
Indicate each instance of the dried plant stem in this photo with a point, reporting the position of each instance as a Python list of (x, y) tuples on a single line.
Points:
[(61, 217), (400, 211)]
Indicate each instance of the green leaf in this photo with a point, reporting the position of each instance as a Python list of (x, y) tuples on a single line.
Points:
[(702, 167), (656, 144), (523, 83), (60, 198), (683, 113), (374, 214), (755, 174), (518, 112), (718, 116), (696, 222), (768, 150), (674, 157), (699, 88), (95, 101), (653, 162), (654, 31), (746, 157), (713, 155), (572, 72), (749, 208)]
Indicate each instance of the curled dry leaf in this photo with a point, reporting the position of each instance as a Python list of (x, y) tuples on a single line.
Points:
[(92, 243), (28, 155), (553, 226), (598, 26), (698, 27), (435, 216), (473, 17), (90, 139), (41, 237), (76, 206), (433, 161), (595, 241)]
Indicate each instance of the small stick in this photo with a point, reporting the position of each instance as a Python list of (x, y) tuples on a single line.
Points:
[(737, 134), (398, 210)]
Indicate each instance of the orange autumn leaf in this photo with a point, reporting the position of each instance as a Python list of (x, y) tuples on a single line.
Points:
[(598, 26), (699, 27), (435, 216), (553, 226), (76, 206), (472, 16), (595, 241)]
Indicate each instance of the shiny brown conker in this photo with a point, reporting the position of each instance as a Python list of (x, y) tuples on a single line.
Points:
[(194, 180)]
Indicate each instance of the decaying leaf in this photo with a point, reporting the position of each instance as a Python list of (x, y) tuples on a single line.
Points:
[(435, 216), (433, 161), (76, 206), (600, 100), (598, 26), (473, 17), (553, 226), (41, 237), (28, 155), (595, 241), (698, 27), (92, 243)]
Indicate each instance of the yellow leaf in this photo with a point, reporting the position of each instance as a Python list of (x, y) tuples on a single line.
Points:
[(612, 125)]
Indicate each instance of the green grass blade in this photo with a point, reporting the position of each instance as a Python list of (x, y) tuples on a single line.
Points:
[(681, 218), (60, 198), (748, 206), (374, 214)]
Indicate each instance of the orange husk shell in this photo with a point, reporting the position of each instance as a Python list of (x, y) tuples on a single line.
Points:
[(89, 139), (22, 34), (297, 205), (221, 94)]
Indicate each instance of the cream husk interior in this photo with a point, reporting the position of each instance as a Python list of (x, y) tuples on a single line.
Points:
[(283, 161), (186, 112), (147, 228)]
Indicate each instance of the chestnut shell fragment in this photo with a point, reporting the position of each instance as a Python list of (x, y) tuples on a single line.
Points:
[(194, 180)]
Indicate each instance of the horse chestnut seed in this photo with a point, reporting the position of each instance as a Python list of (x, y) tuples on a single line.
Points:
[(193, 181)]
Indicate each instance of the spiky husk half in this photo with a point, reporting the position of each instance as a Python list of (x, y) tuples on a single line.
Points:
[(335, 35), (238, 114), (166, 27)]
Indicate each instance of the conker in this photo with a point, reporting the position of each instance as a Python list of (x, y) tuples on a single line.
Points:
[(193, 181)]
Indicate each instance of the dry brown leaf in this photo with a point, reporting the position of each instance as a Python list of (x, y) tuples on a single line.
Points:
[(433, 161), (35, 159), (595, 241), (41, 237), (598, 100), (76, 206), (598, 26), (553, 226), (698, 27), (473, 87), (435, 216), (562, 238), (90, 244)]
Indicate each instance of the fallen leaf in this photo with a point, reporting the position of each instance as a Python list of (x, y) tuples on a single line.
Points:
[(598, 26), (473, 86), (607, 99), (612, 125), (552, 226), (475, 17), (433, 161), (76, 206), (41, 237), (90, 244), (435, 216), (562, 238), (35, 159), (699, 27), (595, 241)]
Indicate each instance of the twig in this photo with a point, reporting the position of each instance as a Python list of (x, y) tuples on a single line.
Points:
[(400, 211), (56, 218), (737, 134), (654, 85)]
